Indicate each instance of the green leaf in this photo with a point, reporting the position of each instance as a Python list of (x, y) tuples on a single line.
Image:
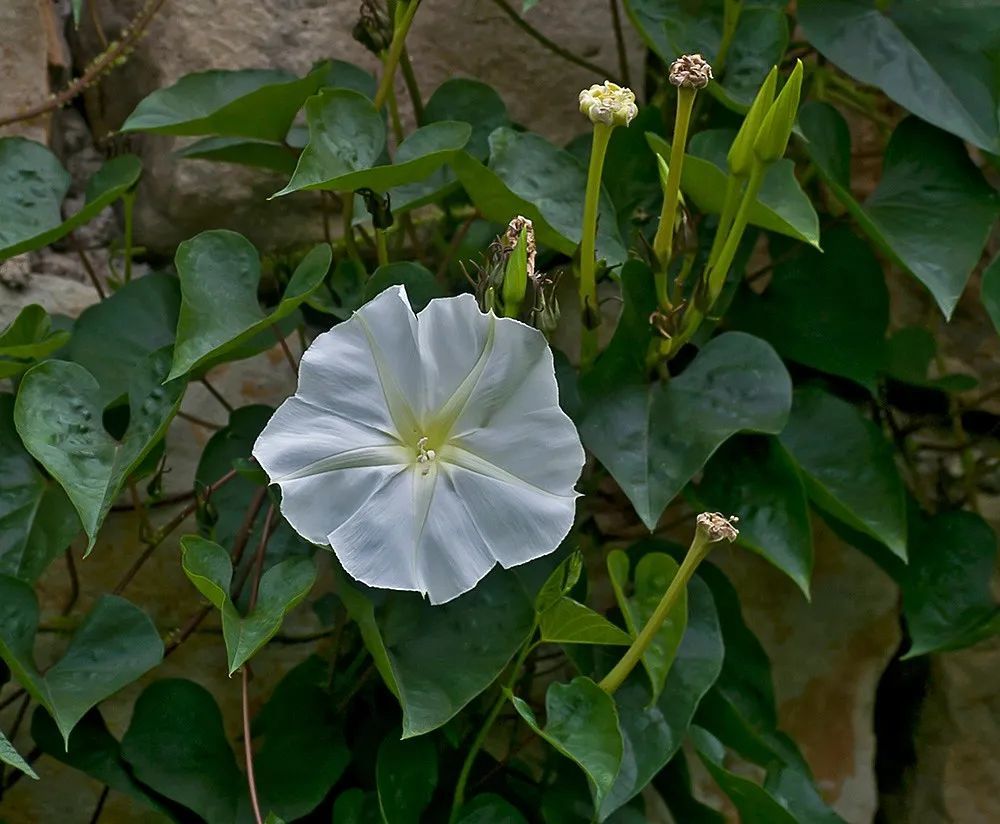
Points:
[(674, 786), (560, 582), (115, 645), (421, 285), (407, 773), (339, 74), (114, 338), (441, 657), (282, 588), (33, 184), (255, 103), (755, 478), (304, 753), (92, 750), (219, 274), (674, 27), (58, 414), (654, 439), (527, 175), (257, 153), (653, 575), (10, 756), (581, 722), (932, 210), (28, 338), (781, 204), (469, 101), (355, 806), (37, 520), (911, 353), (850, 471), (570, 622), (653, 731), (936, 58), (490, 809), (947, 599), (990, 293), (181, 719), (346, 141), (809, 312)]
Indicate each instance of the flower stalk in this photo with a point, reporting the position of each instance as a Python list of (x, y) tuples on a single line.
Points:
[(404, 18), (711, 528)]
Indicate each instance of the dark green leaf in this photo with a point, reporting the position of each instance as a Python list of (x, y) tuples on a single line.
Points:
[(282, 588), (407, 775), (37, 520), (58, 414), (469, 101), (355, 806), (932, 210), (809, 312), (850, 471), (529, 176), (560, 582), (438, 658), (258, 153), (653, 732), (781, 205), (755, 479), (947, 599), (339, 74), (490, 809), (991, 291), (177, 746), (653, 439), (10, 756), (29, 337), (114, 646), (936, 58), (911, 353), (219, 275), (421, 285), (581, 722), (570, 622), (33, 184), (674, 785), (255, 103)]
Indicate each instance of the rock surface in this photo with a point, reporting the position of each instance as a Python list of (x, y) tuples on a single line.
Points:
[(24, 51)]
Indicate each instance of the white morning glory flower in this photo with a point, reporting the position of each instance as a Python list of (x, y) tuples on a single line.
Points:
[(425, 449)]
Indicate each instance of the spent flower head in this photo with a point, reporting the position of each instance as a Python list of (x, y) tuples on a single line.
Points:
[(425, 449), (690, 71), (608, 103), (716, 527)]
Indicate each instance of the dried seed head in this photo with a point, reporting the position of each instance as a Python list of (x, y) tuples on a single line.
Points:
[(690, 71), (609, 103), (717, 527)]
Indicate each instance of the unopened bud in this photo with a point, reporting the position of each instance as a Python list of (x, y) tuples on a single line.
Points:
[(514, 230), (610, 104), (776, 128), (515, 279), (690, 71), (741, 156), (717, 527)]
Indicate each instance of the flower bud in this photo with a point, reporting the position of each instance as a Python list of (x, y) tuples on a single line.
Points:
[(716, 527), (740, 156), (776, 128), (515, 280), (610, 104), (690, 71)]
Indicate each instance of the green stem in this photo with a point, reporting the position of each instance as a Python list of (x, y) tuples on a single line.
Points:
[(729, 206), (347, 213), (463, 777), (412, 88), (696, 553), (395, 50), (397, 124), (717, 275), (128, 202), (588, 245), (381, 248), (663, 243)]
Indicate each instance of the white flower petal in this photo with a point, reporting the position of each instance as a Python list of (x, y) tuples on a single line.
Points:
[(367, 368)]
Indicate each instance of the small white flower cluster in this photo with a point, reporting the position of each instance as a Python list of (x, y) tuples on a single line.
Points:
[(609, 103), (718, 527)]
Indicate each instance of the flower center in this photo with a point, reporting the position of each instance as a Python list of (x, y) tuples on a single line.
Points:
[(424, 455)]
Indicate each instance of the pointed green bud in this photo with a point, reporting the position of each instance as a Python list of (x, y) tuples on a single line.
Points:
[(772, 139), (515, 279), (740, 156)]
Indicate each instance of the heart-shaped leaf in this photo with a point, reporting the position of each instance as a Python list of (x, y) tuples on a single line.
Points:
[(581, 722), (219, 274), (28, 338), (654, 439), (527, 175), (407, 774), (32, 186), (850, 472), (257, 153), (255, 103), (932, 210), (37, 520), (11, 757), (570, 622), (282, 588), (181, 718), (421, 285), (58, 414), (115, 645), (781, 205), (490, 809), (935, 58)]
